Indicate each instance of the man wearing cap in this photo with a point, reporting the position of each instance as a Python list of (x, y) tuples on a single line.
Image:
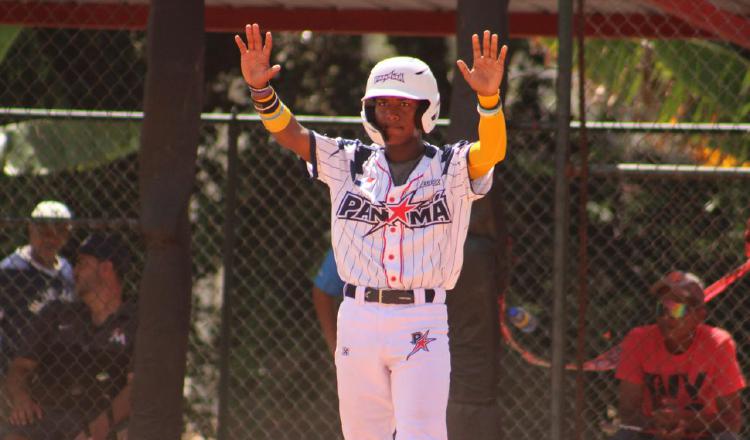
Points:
[(679, 378), (78, 354), (35, 273)]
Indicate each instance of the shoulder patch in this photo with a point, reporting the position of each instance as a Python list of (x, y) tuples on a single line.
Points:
[(362, 152), (448, 151), (446, 158), (430, 150)]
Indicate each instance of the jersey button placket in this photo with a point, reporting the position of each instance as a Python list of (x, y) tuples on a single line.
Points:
[(392, 260)]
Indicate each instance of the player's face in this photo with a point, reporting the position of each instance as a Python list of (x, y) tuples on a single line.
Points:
[(87, 276), (46, 239), (396, 118), (677, 320)]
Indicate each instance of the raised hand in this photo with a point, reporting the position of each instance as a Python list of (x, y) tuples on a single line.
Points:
[(486, 74), (255, 57)]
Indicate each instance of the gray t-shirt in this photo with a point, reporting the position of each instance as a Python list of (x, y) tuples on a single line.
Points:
[(400, 170)]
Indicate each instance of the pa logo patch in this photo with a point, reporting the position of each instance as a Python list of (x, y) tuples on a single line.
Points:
[(420, 341)]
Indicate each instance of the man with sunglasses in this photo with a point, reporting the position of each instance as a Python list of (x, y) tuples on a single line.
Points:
[(679, 378), (34, 274)]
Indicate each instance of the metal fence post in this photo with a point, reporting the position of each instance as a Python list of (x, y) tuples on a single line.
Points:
[(228, 257), (561, 212)]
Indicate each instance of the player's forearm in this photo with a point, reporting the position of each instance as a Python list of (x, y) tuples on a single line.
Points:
[(492, 137), (121, 405), (16, 380), (296, 138), (325, 309), (727, 421), (280, 122)]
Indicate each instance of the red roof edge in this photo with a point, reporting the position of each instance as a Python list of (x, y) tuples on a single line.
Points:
[(404, 22)]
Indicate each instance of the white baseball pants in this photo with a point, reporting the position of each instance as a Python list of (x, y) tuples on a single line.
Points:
[(393, 370)]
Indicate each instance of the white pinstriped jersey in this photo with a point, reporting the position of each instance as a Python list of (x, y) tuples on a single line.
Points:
[(398, 237)]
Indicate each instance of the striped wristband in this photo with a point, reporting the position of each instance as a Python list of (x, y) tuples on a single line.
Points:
[(489, 105), (262, 89), (273, 113)]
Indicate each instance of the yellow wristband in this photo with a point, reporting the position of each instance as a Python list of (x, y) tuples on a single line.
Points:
[(277, 121), (489, 102)]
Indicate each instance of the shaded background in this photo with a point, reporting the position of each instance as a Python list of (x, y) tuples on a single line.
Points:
[(642, 220)]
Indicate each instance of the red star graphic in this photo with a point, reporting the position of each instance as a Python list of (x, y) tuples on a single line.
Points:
[(421, 344), (398, 212)]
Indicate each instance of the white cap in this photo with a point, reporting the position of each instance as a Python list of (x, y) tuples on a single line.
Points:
[(51, 210)]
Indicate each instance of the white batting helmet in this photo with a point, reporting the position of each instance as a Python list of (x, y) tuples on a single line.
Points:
[(402, 77)]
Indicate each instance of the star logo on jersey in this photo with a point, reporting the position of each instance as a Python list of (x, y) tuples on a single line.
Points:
[(399, 211), (420, 341), (407, 212)]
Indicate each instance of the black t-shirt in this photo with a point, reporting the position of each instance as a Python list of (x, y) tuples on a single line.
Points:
[(81, 366)]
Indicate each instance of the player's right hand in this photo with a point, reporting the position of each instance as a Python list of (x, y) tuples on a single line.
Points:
[(255, 57), (25, 411)]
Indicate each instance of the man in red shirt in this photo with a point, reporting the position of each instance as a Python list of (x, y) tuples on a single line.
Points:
[(679, 378)]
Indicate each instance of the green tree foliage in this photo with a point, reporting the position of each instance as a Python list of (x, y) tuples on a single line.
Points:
[(667, 80), (8, 35), (68, 68)]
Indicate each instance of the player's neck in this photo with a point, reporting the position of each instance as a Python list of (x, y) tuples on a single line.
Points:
[(681, 345), (49, 263), (404, 152)]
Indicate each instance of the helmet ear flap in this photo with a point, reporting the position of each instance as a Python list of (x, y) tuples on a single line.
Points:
[(369, 109), (423, 106), (368, 121)]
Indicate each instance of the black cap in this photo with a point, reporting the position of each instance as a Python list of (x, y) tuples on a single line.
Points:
[(107, 247)]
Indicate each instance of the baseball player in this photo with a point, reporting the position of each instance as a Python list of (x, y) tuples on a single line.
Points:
[(399, 214)]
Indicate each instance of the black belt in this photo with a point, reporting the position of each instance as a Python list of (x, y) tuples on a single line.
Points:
[(385, 296)]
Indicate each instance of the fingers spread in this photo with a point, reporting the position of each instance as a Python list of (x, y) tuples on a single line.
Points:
[(249, 36), (486, 44), (475, 47), (275, 69), (257, 39), (267, 46), (240, 44), (503, 52), (464, 69)]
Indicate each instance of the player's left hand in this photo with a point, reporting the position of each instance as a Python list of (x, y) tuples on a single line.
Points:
[(486, 74)]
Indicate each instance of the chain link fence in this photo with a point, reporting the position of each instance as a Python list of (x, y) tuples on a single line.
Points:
[(664, 184)]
